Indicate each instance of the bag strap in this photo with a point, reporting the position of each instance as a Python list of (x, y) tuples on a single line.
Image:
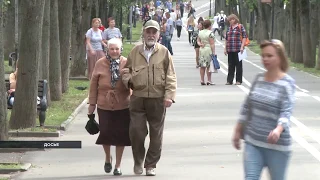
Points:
[(239, 26)]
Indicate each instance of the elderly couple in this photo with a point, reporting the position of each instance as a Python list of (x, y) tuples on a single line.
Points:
[(128, 93)]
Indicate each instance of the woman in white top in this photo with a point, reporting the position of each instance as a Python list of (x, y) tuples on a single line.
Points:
[(94, 42), (215, 26)]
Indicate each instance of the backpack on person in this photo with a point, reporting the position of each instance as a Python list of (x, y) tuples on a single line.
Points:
[(221, 22)]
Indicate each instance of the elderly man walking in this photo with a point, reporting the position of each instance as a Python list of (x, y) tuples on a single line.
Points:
[(150, 73)]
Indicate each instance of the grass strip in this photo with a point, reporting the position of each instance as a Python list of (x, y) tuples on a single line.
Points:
[(254, 47)]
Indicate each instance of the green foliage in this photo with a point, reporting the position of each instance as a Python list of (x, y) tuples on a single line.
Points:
[(7, 68), (251, 4), (5, 5)]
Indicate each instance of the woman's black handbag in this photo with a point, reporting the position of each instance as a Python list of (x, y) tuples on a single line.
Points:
[(92, 126)]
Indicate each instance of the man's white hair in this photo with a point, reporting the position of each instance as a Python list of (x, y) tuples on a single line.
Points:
[(114, 41)]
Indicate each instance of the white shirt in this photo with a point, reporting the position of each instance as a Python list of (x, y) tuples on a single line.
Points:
[(173, 16), (148, 52), (215, 24)]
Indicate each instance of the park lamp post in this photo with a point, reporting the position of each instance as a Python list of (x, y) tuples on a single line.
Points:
[(272, 18)]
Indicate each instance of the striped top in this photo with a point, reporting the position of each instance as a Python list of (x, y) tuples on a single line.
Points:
[(271, 104)]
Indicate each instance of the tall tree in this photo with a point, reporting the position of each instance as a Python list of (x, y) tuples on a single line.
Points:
[(54, 61), (9, 29), (77, 41), (263, 19), (45, 52), (65, 22), (103, 11), (3, 102), (24, 111), (293, 16), (314, 29), (318, 61), (305, 34), (298, 57), (80, 24)]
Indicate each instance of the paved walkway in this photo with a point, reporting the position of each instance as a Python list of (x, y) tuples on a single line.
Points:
[(198, 130)]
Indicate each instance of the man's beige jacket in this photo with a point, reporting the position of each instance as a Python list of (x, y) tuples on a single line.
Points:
[(154, 79)]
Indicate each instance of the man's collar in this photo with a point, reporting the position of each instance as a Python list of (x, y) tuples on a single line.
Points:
[(148, 49)]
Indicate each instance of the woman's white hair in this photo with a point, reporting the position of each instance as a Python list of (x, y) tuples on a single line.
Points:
[(114, 41)]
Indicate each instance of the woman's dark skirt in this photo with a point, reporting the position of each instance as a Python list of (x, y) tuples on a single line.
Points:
[(196, 45), (114, 127)]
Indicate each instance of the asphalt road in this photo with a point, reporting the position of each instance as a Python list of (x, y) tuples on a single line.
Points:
[(198, 129)]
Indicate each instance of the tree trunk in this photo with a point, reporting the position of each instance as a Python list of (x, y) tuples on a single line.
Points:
[(9, 30), (251, 26), (65, 21), (3, 102), (121, 18), (80, 24), (279, 20), (318, 61), (45, 53), (264, 11), (103, 11), (95, 9), (298, 57), (285, 33), (243, 12), (223, 6), (24, 111), (305, 32), (110, 10), (54, 61), (77, 41), (293, 22), (256, 24), (314, 30)]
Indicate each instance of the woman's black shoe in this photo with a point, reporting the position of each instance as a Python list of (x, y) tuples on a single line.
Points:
[(107, 167), (117, 172)]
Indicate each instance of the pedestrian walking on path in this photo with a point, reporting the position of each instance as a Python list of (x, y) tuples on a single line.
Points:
[(169, 32), (151, 75), (190, 28), (265, 115), (234, 45), (94, 45), (111, 97), (179, 26), (215, 26), (207, 50)]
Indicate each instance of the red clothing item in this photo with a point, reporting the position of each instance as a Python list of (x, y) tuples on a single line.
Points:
[(102, 28)]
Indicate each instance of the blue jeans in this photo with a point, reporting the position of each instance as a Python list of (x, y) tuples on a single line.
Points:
[(169, 37), (255, 158), (166, 41)]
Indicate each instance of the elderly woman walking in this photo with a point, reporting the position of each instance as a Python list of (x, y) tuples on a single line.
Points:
[(94, 45), (233, 46), (207, 49), (265, 116), (111, 97)]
